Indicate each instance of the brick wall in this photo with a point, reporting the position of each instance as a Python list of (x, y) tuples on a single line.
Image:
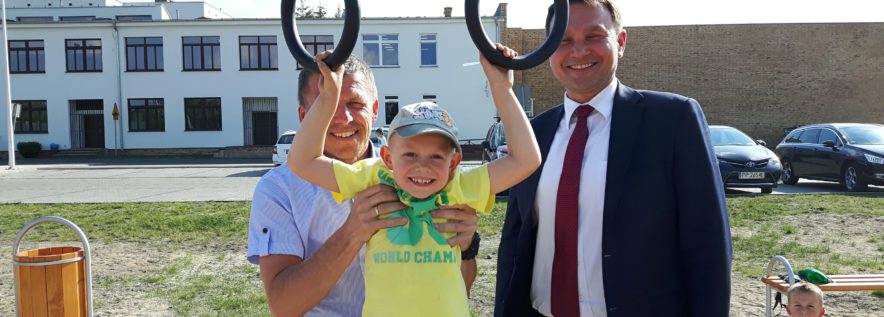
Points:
[(758, 78)]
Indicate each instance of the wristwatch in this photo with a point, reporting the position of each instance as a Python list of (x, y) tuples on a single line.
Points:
[(471, 252)]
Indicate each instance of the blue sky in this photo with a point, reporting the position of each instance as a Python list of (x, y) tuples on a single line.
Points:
[(531, 13)]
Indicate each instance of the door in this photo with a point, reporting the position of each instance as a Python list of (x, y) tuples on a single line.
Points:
[(802, 161), (828, 160), (93, 124), (264, 128)]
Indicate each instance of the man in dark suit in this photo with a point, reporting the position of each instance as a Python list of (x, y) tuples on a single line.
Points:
[(626, 216)]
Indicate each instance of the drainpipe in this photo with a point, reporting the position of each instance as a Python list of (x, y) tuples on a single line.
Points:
[(119, 85)]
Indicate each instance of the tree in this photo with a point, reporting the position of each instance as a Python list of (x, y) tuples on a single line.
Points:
[(320, 10), (339, 13), (304, 11)]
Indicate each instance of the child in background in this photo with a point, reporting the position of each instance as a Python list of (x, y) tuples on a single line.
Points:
[(412, 270), (805, 300)]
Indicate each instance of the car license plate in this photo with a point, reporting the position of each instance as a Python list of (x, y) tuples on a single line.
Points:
[(751, 175)]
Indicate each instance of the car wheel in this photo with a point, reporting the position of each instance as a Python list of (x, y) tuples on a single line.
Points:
[(852, 179), (788, 176), (766, 190)]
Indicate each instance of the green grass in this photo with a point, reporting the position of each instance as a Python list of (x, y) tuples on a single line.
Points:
[(196, 285), (199, 223)]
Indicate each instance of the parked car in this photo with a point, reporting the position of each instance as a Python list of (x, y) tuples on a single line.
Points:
[(849, 153), (494, 145), (281, 149), (744, 162)]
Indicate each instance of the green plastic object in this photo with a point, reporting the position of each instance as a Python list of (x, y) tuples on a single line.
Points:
[(814, 276)]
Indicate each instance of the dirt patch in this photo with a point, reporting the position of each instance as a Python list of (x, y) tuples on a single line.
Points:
[(123, 270)]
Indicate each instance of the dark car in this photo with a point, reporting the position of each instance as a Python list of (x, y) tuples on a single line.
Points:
[(849, 153), (494, 145), (744, 162)]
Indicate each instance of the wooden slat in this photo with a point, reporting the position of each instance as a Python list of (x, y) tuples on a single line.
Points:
[(72, 291), (81, 286), (841, 283), (38, 291), (54, 290), (24, 290)]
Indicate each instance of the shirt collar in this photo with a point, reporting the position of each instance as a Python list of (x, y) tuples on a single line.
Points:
[(603, 102)]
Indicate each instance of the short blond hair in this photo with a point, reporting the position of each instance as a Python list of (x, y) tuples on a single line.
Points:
[(804, 287)]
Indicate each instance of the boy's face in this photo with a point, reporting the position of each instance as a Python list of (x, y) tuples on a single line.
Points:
[(804, 304), (421, 164)]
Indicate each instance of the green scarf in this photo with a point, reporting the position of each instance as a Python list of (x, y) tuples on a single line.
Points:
[(417, 211)]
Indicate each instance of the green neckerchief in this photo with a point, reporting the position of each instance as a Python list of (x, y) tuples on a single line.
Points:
[(417, 211)]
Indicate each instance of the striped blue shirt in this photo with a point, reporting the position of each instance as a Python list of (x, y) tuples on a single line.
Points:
[(292, 216)]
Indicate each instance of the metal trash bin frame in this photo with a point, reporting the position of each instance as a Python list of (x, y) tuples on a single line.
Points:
[(87, 256)]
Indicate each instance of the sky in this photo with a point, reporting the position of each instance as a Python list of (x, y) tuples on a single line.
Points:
[(530, 14)]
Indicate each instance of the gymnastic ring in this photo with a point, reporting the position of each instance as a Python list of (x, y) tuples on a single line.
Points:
[(521, 62), (342, 50)]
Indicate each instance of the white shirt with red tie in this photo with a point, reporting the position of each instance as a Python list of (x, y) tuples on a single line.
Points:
[(590, 207)]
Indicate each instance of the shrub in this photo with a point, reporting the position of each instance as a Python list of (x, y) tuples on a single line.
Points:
[(29, 149)]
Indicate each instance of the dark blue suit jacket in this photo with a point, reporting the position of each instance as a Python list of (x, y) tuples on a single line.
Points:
[(666, 244)]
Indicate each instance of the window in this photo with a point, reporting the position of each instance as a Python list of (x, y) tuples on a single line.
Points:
[(27, 57), (381, 49), (828, 135), (202, 114), (144, 54), (34, 19), (33, 117), (391, 106), (809, 136), (202, 53), (77, 18), (257, 53), (146, 115), (428, 50), (83, 55), (317, 43), (134, 17), (429, 98)]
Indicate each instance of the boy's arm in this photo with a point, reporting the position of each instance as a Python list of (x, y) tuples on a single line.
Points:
[(524, 153), (306, 158)]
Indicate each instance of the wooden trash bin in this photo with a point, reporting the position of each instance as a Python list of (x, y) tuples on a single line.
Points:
[(55, 281), (51, 282)]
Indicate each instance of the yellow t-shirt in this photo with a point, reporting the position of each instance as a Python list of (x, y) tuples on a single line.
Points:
[(411, 270)]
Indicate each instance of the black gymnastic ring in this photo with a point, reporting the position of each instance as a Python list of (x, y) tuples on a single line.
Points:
[(342, 50), (521, 62)]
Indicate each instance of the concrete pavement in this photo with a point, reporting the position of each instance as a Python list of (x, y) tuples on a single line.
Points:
[(185, 179)]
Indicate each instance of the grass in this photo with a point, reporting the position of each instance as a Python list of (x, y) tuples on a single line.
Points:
[(196, 284)]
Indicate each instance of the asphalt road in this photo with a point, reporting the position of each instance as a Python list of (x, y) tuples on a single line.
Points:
[(135, 180)]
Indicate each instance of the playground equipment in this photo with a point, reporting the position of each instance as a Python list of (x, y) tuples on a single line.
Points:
[(55, 281)]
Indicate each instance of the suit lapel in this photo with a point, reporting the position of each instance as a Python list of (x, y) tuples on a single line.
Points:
[(625, 124), (545, 128)]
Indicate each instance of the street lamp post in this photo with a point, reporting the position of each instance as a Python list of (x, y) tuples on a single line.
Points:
[(10, 146)]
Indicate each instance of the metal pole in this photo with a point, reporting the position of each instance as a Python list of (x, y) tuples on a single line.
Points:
[(10, 145)]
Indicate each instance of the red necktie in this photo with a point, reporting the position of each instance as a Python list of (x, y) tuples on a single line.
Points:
[(564, 292)]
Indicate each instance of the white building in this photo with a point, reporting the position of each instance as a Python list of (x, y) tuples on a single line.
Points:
[(191, 77)]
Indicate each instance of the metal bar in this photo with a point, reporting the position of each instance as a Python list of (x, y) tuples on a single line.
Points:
[(10, 145), (16, 263)]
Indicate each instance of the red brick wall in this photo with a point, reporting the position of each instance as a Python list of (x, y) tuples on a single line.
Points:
[(758, 78)]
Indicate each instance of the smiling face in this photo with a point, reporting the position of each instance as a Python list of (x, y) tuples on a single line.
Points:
[(348, 133), (804, 304), (587, 57), (421, 164)]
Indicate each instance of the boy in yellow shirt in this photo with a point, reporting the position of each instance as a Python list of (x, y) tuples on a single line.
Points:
[(411, 270)]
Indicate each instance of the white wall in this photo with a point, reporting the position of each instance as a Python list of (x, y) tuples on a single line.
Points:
[(461, 90)]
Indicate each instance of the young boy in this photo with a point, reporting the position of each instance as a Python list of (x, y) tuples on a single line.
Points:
[(805, 300), (412, 270)]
